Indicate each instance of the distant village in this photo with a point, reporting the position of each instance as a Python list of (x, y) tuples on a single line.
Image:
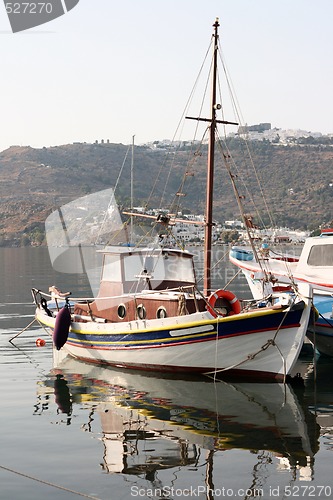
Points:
[(231, 231), (259, 132), (234, 230), (262, 132)]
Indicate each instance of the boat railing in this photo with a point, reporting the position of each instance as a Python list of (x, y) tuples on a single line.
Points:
[(39, 295), (52, 302), (59, 300)]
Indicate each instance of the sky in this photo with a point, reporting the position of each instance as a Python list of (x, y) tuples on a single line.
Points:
[(113, 69)]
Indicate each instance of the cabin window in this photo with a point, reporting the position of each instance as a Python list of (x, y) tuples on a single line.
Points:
[(321, 255), (111, 268), (179, 268), (161, 313), (141, 311), (121, 311), (133, 266), (159, 267)]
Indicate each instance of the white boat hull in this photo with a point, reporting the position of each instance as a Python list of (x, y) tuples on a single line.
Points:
[(194, 343)]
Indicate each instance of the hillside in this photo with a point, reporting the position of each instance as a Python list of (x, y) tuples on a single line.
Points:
[(297, 182)]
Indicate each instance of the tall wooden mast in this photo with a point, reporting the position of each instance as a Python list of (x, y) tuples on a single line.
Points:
[(210, 165), (210, 171)]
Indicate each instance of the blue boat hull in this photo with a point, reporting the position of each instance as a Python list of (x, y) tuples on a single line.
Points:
[(321, 334)]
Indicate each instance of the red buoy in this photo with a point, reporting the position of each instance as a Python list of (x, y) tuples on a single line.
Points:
[(40, 342)]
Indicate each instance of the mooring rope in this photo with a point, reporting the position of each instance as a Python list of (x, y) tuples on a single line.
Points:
[(48, 483), (269, 342)]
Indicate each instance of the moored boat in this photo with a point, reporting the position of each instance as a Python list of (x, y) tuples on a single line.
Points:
[(267, 272), (150, 313)]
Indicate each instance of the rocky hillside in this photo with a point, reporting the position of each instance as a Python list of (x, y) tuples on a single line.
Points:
[(297, 182)]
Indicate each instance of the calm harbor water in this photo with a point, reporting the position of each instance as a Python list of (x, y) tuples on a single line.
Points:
[(71, 430)]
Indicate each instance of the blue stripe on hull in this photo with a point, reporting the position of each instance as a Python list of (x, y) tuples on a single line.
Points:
[(162, 338)]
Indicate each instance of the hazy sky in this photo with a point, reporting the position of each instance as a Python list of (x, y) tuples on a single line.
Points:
[(110, 69)]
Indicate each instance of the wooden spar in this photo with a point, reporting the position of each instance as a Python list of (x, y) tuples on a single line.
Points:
[(210, 167), (169, 221)]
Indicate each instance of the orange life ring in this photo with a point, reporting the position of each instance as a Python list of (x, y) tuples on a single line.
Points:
[(226, 295)]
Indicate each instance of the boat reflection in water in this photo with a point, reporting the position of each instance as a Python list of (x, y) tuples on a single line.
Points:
[(150, 423), (318, 395)]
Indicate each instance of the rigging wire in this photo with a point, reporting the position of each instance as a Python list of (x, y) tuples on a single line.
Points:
[(177, 133), (188, 174), (112, 200), (238, 197), (238, 114), (175, 204)]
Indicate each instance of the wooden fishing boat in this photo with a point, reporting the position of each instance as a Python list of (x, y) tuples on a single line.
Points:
[(150, 313)]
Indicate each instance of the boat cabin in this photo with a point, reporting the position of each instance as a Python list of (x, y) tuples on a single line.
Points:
[(134, 283), (132, 271), (316, 260)]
